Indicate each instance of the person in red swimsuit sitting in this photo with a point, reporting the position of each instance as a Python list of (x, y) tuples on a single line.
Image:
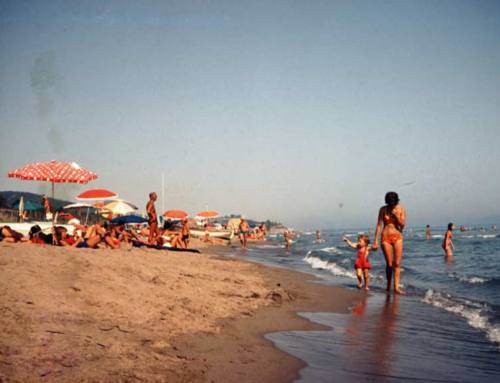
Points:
[(393, 218), (361, 265)]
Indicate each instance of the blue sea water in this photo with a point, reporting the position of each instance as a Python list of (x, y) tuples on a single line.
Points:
[(446, 328)]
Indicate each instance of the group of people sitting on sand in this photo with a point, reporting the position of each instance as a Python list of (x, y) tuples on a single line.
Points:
[(95, 236), (173, 234)]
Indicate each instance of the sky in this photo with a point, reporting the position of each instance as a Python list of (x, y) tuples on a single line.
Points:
[(305, 112)]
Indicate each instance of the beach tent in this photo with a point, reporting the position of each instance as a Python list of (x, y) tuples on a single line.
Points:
[(27, 205)]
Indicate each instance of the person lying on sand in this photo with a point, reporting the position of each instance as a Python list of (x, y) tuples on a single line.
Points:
[(94, 236), (9, 235), (36, 235)]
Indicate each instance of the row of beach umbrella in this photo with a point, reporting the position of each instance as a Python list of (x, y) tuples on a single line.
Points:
[(70, 172)]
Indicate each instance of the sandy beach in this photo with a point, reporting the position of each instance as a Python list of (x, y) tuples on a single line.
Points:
[(147, 315)]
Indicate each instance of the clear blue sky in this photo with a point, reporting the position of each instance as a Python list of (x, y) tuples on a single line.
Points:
[(305, 112)]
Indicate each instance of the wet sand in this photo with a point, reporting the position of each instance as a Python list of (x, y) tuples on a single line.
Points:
[(71, 315)]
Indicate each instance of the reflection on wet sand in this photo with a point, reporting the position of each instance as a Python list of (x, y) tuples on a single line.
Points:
[(370, 338), (382, 349)]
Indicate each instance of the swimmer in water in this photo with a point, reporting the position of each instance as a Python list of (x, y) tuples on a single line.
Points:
[(428, 232)]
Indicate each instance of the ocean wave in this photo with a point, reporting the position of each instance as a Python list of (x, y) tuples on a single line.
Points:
[(270, 246), (487, 235), (471, 280), (437, 236), (475, 314), (331, 250), (318, 263)]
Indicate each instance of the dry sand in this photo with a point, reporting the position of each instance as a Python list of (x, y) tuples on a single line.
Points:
[(69, 315)]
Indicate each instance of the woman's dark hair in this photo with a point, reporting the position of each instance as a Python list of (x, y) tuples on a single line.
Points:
[(34, 231), (391, 198), (450, 226)]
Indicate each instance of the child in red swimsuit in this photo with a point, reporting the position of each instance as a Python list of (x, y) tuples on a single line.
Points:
[(361, 265)]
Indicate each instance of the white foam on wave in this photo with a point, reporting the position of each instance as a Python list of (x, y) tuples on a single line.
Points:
[(474, 280), (473, 313), (270, 246), (318, 263), (471, 280), (487, 235), (331, 250), (437, 236)]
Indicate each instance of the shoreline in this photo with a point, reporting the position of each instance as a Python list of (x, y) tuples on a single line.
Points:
[(149, 315)]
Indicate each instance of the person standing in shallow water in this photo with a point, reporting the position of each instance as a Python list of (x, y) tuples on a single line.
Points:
[(244, 229), (427, 232), (448, 243), (390, 224)]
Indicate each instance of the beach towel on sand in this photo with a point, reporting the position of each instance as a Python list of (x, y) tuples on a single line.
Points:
[(159, 247)]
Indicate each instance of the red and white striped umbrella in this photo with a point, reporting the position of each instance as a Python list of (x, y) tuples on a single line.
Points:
[(55, 172)]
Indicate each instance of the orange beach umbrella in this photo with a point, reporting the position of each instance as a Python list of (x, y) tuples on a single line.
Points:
[(208, 214), (96, 195), (175, 214)]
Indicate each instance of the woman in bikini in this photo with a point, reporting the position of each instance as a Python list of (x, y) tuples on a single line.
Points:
[(447, 242), (393, 218)]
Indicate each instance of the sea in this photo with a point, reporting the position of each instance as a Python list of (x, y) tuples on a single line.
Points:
[(446, 328)]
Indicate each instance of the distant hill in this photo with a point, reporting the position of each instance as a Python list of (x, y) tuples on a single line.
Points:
[(9, 198)]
